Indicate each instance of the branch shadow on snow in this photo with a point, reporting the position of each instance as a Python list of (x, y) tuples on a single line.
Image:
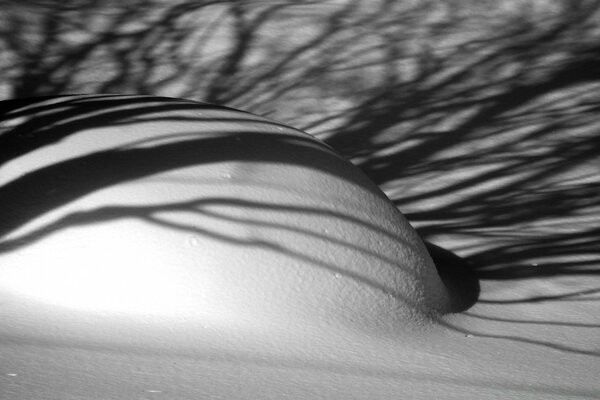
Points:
[(493, 153), (480, 123), (32, 124), (498, 149)]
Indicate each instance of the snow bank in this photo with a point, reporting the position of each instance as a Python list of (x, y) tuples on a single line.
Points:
[(166, 209)]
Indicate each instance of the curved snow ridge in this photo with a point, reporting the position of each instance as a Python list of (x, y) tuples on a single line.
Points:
[(139, 205)]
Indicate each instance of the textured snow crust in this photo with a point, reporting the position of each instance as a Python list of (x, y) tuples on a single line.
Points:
[(165, 249), (171, 209)]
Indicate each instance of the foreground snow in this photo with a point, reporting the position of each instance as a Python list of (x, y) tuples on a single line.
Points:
[(155, 331)]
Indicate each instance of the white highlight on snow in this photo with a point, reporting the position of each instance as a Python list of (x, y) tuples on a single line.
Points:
[(105, 269)]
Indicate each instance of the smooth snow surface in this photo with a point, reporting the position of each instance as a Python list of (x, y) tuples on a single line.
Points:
[(162, 248)]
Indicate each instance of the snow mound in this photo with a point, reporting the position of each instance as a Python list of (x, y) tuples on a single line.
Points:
[(138, 205)]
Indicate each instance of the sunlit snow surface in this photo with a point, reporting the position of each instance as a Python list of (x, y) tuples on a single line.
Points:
[(111, 297), (117, 280), (479, 118)]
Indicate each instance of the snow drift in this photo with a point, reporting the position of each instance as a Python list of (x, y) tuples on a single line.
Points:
[(137, 205)]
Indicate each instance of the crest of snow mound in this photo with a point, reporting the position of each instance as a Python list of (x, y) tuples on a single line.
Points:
[(132, 205)]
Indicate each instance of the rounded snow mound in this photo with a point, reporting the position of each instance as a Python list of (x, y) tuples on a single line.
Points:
[(138, 205)]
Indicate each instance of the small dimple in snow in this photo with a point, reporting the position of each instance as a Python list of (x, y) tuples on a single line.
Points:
[(193, 241)]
